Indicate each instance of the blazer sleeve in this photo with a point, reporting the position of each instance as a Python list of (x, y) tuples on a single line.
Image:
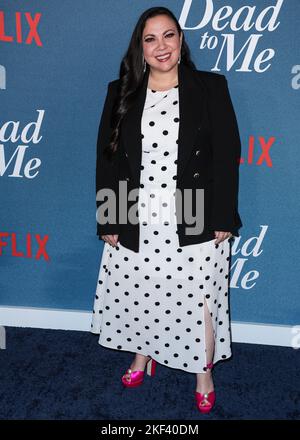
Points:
[(226, 148), (106, 171)]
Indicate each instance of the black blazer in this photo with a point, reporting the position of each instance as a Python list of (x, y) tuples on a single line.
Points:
[(209, 149)]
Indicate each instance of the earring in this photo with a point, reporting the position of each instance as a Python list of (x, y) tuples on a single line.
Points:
[(179, 59), (144, 62)]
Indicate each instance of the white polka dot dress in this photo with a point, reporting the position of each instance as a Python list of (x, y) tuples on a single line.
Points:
[(152, 302)]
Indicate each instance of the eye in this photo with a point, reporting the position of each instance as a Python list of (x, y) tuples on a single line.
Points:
[(149, 39)]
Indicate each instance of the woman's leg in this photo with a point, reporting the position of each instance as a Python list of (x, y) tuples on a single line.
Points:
[(204, 380)]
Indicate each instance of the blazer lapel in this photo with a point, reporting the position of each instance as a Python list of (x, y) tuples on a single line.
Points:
[(191, 108), (191, 111)]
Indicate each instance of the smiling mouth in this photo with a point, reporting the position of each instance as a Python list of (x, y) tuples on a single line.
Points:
[(164, 57)]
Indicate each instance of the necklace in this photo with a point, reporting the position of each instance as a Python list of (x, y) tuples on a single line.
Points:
[(157, 91), (161, 95)]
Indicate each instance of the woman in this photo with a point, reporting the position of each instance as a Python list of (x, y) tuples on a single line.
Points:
[(162, 291)]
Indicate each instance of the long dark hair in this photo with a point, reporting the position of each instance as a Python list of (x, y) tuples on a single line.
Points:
[(131, 72)]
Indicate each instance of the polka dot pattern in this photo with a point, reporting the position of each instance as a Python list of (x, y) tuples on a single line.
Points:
[(152, 302)]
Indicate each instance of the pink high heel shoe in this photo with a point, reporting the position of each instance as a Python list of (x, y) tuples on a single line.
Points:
[(206, 401), (135, 378)]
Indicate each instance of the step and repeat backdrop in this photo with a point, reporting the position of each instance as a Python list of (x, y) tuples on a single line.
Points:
[(56, 59)]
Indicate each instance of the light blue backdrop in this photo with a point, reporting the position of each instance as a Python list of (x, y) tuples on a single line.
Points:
[(64, 80)]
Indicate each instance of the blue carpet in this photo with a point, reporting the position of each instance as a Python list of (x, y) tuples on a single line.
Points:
[(61, 375)]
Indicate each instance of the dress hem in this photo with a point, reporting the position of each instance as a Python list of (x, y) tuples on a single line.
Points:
[(165, 365)]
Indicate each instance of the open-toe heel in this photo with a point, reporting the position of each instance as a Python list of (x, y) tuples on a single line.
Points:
[(205, 401), (135, 378)]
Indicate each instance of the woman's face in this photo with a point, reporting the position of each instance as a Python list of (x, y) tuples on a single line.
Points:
[(161, 43)]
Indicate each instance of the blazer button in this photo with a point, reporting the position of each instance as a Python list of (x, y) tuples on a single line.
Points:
[(127, 178), (197, 152), (196, 175), (126, 154)]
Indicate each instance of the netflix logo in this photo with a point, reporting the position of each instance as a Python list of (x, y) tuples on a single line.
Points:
[(20, 28), (262, 149), (34, 246)]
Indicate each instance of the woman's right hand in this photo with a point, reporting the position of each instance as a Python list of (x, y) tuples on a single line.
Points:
[(111, 239)]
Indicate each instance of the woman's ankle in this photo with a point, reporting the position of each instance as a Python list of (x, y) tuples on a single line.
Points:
[(140, 361), (204, 382)]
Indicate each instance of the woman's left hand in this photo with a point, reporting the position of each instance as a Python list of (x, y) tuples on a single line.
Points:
[(221, 235)]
